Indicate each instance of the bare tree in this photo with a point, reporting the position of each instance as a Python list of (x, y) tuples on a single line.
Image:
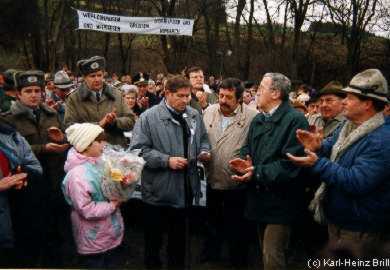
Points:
[(249, 41), (237, 35), (214, 14), (355, 16), (298, 10)]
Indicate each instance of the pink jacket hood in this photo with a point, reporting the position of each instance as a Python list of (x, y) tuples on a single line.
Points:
[(75, 159)]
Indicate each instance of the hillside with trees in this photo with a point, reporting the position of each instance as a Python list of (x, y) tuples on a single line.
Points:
[(313, 41)]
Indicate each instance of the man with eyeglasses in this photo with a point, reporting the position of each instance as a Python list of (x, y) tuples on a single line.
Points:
[(330, 107), (275, 187)]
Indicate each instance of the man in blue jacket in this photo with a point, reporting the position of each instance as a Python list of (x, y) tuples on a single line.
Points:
[(354, 166)]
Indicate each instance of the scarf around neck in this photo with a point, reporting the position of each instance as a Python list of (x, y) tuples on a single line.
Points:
[(348, 135)]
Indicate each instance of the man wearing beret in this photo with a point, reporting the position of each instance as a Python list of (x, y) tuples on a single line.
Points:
[(354, 167), (39, 123), (97, 102)]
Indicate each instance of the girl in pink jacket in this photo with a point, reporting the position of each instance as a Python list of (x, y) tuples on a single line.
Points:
[(97, 223)]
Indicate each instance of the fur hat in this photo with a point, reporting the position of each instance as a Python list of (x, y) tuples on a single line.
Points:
[(91, 65), (80, 136), (30, 78)]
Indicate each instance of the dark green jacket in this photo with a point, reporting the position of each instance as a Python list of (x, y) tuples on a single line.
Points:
[(275, 192)]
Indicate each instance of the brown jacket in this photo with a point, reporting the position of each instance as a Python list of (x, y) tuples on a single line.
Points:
[(81, 107), (225, 145), (35, 133)]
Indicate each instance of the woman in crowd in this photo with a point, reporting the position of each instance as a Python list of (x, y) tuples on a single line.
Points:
[(130, 94)]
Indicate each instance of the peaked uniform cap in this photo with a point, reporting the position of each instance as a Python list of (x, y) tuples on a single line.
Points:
[(369, 83), (91, 65), (141, 78)]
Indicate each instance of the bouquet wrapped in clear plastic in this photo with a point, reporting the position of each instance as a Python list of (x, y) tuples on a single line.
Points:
[(122, 171)]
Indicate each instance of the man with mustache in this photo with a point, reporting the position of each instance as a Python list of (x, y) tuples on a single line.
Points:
[(227, 125)]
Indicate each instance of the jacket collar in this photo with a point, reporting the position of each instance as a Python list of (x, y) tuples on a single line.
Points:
[(166, 115), (85, 93), (283, 108), (19, 109), (239, 115), (340, 117)]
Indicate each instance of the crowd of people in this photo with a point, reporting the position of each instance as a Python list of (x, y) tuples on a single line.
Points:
[(269, 153)]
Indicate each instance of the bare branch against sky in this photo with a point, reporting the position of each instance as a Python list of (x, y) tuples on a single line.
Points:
[(378, 24)]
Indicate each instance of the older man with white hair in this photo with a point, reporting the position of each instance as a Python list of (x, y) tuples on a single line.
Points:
[(275, 187)]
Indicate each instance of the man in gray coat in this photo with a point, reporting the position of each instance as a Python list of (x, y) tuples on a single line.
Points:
[(172, 137)]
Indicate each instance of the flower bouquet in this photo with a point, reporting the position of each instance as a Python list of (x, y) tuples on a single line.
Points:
[(122, 171)]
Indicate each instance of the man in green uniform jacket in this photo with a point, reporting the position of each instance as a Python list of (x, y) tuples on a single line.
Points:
[(97, 102)]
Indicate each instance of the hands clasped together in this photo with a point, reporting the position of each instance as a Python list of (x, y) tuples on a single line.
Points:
[(311, 141)]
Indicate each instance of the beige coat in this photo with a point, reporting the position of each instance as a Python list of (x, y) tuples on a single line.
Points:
[(225, 145), (81, 107)]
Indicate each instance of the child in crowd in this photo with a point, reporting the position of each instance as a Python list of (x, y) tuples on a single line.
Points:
[(97, 223)]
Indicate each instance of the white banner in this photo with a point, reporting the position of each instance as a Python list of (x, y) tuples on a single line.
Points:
[(137, 25)]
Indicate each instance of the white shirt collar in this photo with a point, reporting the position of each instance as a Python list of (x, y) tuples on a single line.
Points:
[(272, 111)]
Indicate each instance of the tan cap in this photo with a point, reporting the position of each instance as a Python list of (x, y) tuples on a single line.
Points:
[(369, 83)]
